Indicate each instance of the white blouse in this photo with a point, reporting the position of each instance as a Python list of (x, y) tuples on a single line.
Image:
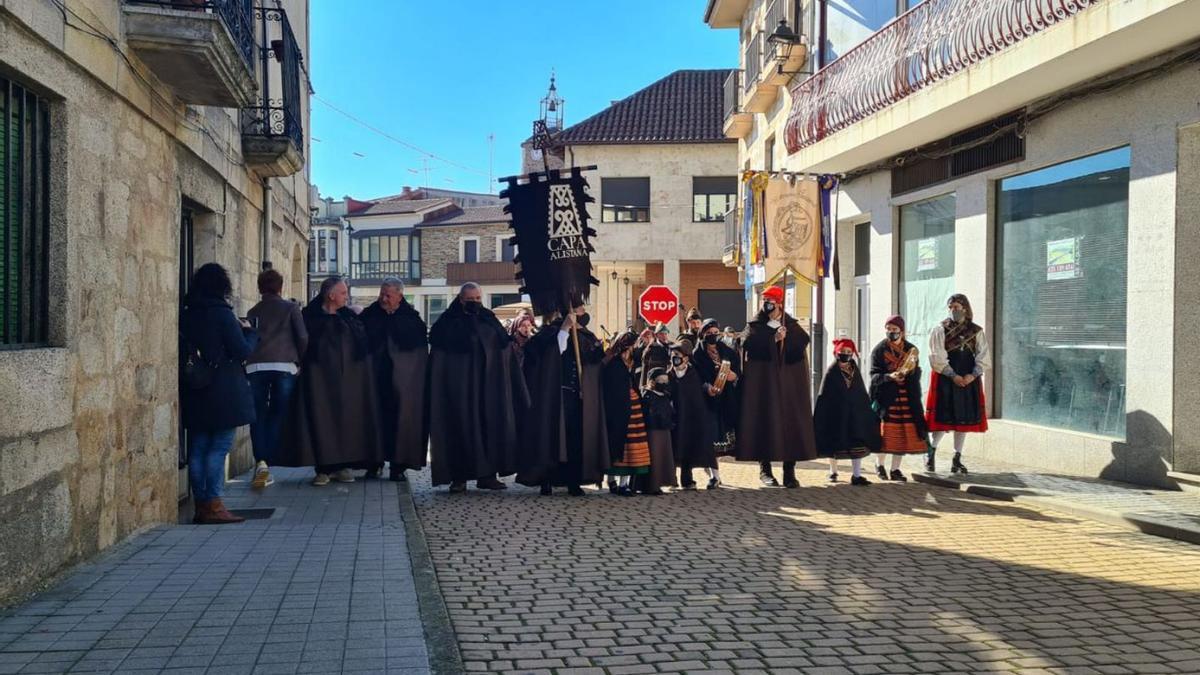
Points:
[(939, 359)]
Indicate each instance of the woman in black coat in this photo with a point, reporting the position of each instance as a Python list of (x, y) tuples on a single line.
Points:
[(215, 394), (846, 427), (724, 404)]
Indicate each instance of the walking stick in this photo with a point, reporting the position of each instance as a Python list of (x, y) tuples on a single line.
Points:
[(578, 360)]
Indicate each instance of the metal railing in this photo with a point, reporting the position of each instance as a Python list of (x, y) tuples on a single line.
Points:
[(753, 58), (402, 269), (733, 239), (930, 42), (776, 11), (733, 95), (235, 14), (277, 112)]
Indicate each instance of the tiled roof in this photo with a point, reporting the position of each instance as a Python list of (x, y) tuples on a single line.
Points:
[(395, 206), (471, 215), (683, 107)]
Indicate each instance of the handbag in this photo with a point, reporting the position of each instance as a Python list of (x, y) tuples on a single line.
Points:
[(196, 372)]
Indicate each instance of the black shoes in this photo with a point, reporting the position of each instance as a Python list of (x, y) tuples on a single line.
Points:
[(688, 486), (547, 490), (397, 475), (490, 483), (833, 477), (859, 480), (624, 491), (929, 465), (768, 480), (791, 482), (612, 487), (881, 472), (458, 488), (713, 483), (957, 466), (898, 476), (371, 474), (575, 491)]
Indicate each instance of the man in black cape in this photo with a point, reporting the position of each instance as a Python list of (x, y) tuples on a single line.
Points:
[(476, 394), (399, 343), (776, 423), (566, 438)]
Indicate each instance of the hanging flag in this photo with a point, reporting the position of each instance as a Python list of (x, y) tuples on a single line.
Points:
[(829, 185), (793, 229), (549, 219), (744, 235)]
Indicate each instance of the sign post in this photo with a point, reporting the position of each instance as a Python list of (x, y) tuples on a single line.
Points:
[(658, 304)]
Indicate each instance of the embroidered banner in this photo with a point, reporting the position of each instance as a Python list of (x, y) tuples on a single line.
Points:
[(793, 229)]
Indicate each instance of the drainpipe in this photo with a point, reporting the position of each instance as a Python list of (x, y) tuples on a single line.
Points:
[(267, 217)]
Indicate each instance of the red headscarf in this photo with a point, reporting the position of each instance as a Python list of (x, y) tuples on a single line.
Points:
[(839, 343), (774, 294)]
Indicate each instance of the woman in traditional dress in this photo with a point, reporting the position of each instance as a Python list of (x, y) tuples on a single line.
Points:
[(896, 398), (660, 421), (710, 357), (846, 426), (628, 445), (958, 355), (693, 437)]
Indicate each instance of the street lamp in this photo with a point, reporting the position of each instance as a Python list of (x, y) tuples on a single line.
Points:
[(784, 40)]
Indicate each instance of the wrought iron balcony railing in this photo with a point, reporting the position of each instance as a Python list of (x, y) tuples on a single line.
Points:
[(776, 11), (401, 269), (753, 57), (732, 97), (277, 113), (235, 14), (931, 42), (733, 240)]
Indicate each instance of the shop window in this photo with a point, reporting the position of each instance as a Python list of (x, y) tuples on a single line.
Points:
[(926, 265), (1063, 244)]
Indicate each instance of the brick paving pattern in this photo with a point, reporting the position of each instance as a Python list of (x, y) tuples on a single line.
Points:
[(889, 578), (325, 586)]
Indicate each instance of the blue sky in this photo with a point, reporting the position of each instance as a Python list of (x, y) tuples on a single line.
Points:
[(444, 75)]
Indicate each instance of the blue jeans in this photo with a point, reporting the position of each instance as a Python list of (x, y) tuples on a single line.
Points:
[(206, 462), (272, 392)]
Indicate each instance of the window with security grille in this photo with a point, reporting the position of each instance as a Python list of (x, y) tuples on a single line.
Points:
[(24, 217)]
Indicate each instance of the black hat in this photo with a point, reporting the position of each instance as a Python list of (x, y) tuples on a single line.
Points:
[(709, 323)]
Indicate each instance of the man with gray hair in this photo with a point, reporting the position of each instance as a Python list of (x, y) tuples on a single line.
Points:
[(476, 395), (398, 342)]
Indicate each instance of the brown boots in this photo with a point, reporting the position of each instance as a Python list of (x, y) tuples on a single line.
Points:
[(214, 513)]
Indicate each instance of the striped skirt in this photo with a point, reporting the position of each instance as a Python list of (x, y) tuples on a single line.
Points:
[(898, 429), (636, 459)]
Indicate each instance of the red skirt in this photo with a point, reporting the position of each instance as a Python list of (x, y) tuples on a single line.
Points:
[(931, 410)]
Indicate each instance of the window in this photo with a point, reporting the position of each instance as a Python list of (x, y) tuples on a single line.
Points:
[(323, 251), (434, 306), (712, 197), (506, 251), (378, 256), (625, 200), (849, 22), (769, 154), (926, 264), (469, 250), (499, 299), (862, 249), (1062, 294), (24, 217)]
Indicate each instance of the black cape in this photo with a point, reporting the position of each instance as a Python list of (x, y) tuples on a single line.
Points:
[(884, 391), (843, 420), (726, 406), (334, 418), (695, 425), (776, 419), (545, 452), (476, 394), (399, 349)]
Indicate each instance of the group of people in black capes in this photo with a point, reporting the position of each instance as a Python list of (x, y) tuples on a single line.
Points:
[(558, 407)]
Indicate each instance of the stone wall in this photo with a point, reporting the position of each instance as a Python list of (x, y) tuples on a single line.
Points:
[(440, 245), (89, 432)]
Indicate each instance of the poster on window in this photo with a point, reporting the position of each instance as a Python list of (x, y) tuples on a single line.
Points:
[(1062, 259), (927, 254)]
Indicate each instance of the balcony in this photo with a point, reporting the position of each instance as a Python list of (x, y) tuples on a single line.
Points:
[(758, 97), (273, 128), (733, 238), (957, 64), (725, 13), (738, 123), (782, 62), (404, 270), (202, 49), (481, 273)]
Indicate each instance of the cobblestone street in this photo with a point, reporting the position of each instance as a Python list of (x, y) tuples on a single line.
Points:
[(887, 578)]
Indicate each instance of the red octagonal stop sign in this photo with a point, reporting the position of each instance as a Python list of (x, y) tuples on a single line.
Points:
[(658, 304)]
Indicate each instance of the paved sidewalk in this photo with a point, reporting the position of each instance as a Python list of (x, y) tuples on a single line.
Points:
[(890, 578), (323, 586), (1164, 513)]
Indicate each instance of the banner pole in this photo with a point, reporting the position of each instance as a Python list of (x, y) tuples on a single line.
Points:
[(578, 361)]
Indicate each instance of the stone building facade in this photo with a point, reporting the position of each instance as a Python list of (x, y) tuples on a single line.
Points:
[(139, 187), (470, 245)]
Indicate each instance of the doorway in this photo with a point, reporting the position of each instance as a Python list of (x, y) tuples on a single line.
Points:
[(187, 266)]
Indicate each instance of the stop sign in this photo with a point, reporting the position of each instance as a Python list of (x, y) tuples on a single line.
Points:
[(658, 304)]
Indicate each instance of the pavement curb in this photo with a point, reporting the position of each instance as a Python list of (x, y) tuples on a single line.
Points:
[(1131, 521), (440, 639)]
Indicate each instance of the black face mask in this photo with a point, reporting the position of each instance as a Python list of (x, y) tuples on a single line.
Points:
[(768, 307), (677, 361), (660, 386), (471, 306), (893, 336), (584, 319), (844, 358), (710, 339)]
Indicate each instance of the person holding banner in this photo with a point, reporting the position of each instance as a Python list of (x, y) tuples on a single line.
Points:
[(896, 398), (958, 354), (476, 396), (567, 438), (776, 419)]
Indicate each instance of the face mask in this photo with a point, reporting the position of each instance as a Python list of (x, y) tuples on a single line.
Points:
[(710, 339), (844, 358), (660, 386), (958, 315), (584, 319), (768, 307), (677, 361), (471, 306), (893, 336), (728, 342)]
